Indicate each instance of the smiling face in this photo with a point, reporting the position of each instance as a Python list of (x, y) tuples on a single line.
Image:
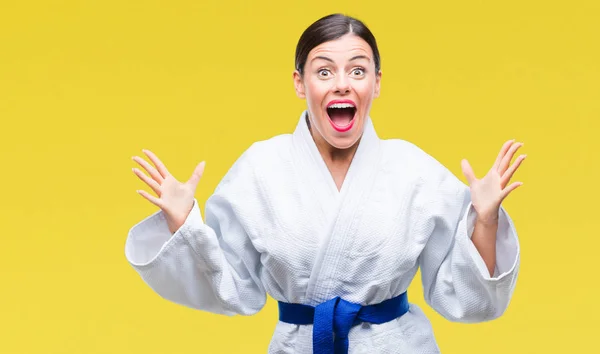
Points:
[(339, 83)]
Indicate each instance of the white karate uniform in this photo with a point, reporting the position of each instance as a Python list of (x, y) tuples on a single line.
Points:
[(277, 224)]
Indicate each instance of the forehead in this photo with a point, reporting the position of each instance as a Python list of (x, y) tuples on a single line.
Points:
[(344, 47)]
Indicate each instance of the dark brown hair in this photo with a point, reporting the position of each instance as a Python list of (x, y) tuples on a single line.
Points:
[(329, 28)]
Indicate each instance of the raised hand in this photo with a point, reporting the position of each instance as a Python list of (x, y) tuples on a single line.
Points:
[(488, 193), (174, 198)]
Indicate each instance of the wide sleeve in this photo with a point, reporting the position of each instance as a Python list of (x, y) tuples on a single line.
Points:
[(455, 278), (211, 266)]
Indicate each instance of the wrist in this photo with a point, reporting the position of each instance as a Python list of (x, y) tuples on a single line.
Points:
[(487, 219)]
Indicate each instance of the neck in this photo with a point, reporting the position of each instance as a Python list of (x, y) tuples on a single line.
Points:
[(333, 157)]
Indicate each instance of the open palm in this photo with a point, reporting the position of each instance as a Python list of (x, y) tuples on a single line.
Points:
[(488, 192), (173, 197)]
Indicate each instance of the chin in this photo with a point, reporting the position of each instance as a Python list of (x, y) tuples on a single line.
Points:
[(344, 142)]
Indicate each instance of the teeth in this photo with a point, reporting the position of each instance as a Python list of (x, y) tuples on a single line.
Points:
[(341, 105)]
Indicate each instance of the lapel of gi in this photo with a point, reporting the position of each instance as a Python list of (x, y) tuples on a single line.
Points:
[(339, 208)]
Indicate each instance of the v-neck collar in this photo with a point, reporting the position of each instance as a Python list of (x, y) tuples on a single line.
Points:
[(367, 147)]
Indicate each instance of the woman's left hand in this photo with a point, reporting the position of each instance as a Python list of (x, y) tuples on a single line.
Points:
[(488, 193)]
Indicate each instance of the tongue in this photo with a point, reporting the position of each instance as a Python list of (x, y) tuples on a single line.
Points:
[(341, 116)]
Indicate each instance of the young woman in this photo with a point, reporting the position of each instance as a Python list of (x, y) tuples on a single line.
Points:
[(333, 222)]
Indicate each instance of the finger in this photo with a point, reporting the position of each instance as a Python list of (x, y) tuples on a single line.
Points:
[(197, 175), (151, 170), (511, 171), (150, 198), (511, 188), (468, 171), (502, 152), (508, 158), (149, 181), (159, 165)]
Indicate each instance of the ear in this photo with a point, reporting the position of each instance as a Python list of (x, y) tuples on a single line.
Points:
[(377, 84), (299, 85)]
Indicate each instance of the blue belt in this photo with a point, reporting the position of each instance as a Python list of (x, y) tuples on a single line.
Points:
[(337, 316)]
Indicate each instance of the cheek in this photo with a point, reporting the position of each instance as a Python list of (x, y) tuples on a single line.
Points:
[(365, 89), (316, 91)]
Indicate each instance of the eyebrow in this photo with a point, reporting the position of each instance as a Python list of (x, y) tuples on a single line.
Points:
[(351, 59)]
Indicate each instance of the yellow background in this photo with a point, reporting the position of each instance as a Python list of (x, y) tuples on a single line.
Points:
[(85, 85)]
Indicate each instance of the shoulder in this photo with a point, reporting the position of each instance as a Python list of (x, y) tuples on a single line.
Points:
[(408, 154), (270, 152), (408, 158), (260, 155), (272, 147)]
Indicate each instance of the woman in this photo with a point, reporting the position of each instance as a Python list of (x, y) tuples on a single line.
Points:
[(333, 222)]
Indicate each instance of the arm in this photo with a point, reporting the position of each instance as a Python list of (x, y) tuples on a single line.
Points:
[(456, 281), (484, 239), (212, 266)]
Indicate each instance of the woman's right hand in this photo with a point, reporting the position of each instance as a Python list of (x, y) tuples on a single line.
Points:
[(175, 198)]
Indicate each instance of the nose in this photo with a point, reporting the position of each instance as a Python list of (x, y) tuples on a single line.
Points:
[(341, 84)]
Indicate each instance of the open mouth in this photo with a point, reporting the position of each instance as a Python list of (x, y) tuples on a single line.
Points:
[(341, 115)]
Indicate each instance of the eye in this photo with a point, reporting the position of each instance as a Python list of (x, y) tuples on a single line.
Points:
[(323, 72), (358, 71)]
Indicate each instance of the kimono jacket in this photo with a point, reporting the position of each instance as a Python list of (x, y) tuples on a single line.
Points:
[(277, 224)]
